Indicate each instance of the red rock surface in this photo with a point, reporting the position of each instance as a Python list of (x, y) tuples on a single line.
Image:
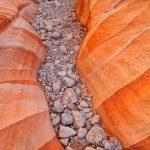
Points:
[(114, 61), (24, 114)]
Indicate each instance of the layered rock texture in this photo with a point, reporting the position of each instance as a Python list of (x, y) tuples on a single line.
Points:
[(114, 61), (24, 116)]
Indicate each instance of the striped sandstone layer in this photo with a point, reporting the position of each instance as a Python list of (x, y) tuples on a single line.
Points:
[(114, 61), (24, 114)]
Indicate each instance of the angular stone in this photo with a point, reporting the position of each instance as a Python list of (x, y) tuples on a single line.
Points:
[(57, 62), (69, 96), (56, 35), (66, 119), (64, 141), (95, 135), (53, 115), (84, 104), (72, 106), (108, 145), (66, 132), (68, 81), (95, 119), (82, 133), (117, 143), (56, 86), (79, 119), (62, 73), (58, 107), (56, 120), (89, 115), (63, 49), (49, 24)]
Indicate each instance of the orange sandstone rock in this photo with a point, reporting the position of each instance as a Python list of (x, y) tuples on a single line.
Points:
[(24, 114), (114, 61)]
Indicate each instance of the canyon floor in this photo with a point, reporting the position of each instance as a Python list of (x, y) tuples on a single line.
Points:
[(70, 104)]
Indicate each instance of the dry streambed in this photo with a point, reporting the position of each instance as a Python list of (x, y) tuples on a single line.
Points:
[(69, 102)]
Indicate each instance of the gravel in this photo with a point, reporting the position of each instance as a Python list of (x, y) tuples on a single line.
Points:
[(70, 104)]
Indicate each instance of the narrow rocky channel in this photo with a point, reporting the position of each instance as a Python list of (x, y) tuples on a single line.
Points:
[(70, 104)]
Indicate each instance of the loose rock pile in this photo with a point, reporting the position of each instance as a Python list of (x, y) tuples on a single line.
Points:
[(70, 104)]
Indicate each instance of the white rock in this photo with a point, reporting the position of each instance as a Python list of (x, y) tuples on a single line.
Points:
[(69, 72), (70, 66), (88, 115), (51, 66), (66, 132), (53, 115), (86, 110), (58, 106), (95, 119), (74, 76), (64, 141), (84, 104), (69, 96), (57, 62), (117, 143), (108, 145), (69, 36), (79, 119), (49, 24), (48, 88), (56, 120), (63, 49), (66, 119), (76, 47), (62, 73), (95, 135), (57, 4), (56, 86), (69, 82), (56, 35), (82, 133)]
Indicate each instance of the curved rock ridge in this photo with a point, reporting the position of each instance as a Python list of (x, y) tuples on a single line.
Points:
[(114, 61), (24, 114)]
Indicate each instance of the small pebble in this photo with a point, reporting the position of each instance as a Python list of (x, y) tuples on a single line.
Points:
[(58, 107), (95, 119), (66, 119), (66, 132), (56, 120), (68, 81), (64, 141), (82, 133)]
